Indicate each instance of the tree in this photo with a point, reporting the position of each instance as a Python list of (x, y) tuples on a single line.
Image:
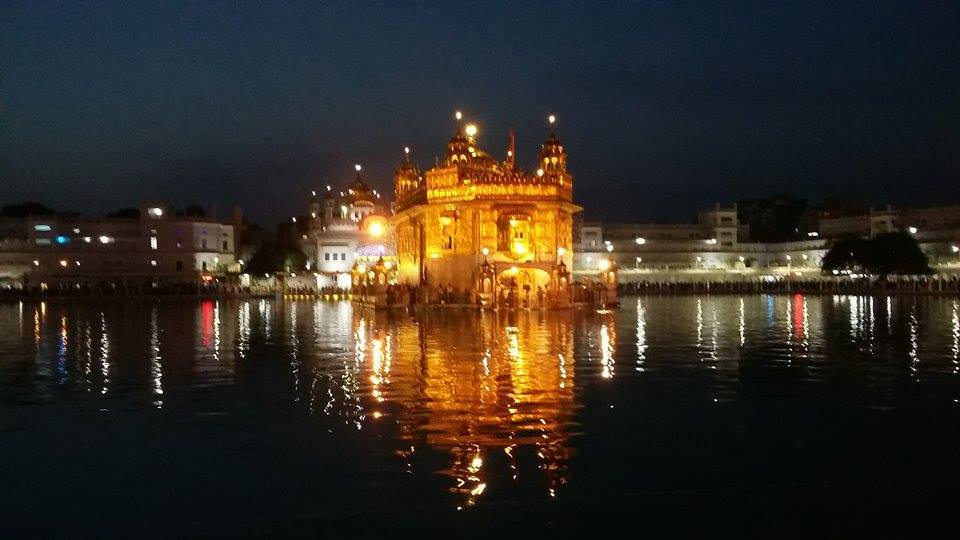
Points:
[(896, 253), (272, 258), (125, 213), (845, 254), (27, 209), (884, 254), (195, 210)]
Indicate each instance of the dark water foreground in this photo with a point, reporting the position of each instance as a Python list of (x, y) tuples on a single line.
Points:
[(706, 415)]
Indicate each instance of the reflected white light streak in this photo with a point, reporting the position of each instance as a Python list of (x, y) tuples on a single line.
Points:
[(956, 336), (266, 316), (641, 336), (156, 368), (700, 329), (62, 340), (913, 332), (294, 351), (243, 322), (104, 355), (743, 323), (889, 315), (606, 353)]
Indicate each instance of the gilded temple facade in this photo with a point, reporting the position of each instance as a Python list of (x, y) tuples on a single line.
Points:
[(473, 223)]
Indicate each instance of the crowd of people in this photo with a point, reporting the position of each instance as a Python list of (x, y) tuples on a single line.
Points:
[(527, 297), (126, 288), (933, 284)]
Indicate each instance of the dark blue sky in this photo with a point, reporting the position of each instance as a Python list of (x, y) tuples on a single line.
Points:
[(663, 106)]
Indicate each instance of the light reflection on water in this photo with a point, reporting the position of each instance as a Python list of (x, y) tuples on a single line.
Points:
[(484, 400)]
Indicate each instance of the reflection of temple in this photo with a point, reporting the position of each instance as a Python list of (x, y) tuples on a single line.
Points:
[(488, 389), (473, 223)]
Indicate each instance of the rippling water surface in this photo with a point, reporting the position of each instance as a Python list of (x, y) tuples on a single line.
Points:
[(261, 417)]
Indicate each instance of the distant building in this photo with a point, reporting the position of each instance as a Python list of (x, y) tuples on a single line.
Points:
[(159, 245), (344, 228), (772, 219), (707, 249)]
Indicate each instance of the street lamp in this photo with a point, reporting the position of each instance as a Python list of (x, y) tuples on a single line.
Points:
[(955, 249), (912, 230), (641, 241)]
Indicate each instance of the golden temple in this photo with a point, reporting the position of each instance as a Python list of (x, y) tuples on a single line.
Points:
[(473, 223)]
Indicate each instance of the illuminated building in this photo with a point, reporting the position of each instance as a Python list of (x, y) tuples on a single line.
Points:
[(151, 244), (717, 247), (473, 223), (346, 228)]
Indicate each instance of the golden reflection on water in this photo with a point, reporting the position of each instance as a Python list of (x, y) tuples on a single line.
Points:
[(474, 385)]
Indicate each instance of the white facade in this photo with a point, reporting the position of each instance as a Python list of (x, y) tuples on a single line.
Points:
[(345, 229), (710, 248), (73, 249)]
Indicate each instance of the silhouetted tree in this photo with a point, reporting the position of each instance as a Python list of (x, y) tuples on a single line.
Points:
[(886, 253), (29, 208), (195, 210), (125, 213), (845, 254), (896, 253), (272, 258)]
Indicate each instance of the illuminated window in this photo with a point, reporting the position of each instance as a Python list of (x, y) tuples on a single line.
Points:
[(42, 227), (153, 242)]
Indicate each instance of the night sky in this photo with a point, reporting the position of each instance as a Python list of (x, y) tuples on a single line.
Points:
[(663, 106)]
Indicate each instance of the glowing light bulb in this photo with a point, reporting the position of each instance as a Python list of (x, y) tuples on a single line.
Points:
[(357, 167), (470, 130), (375, 229), (552, 119), (458, 115), (406, 149)]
